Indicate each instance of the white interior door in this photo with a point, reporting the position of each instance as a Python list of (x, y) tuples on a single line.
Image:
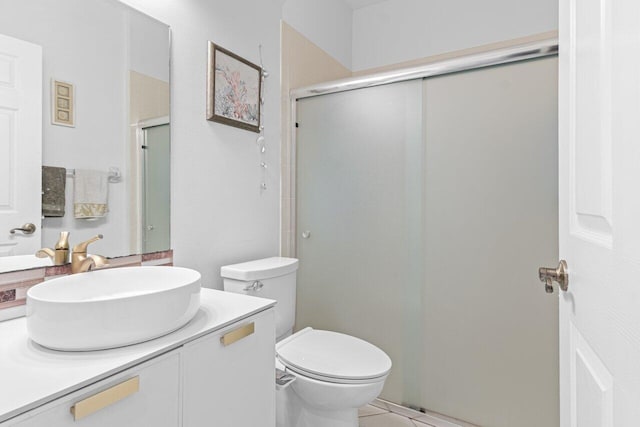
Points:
[(20, 144), (600, 212)]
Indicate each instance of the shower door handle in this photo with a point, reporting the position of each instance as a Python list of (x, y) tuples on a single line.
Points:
[(559, 275)]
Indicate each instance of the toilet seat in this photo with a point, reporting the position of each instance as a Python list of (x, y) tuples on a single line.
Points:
[(333, 357)]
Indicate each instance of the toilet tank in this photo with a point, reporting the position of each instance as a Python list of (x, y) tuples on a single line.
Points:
[(273, 278)]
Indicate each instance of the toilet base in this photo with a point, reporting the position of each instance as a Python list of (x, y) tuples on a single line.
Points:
[(291, 412)]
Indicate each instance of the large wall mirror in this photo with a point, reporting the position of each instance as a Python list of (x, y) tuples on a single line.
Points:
[(113, 119)]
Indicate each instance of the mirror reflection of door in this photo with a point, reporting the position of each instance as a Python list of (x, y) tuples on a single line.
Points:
[(20, 145), (156, 183)]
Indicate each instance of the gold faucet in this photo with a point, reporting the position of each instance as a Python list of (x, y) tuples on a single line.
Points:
[(81, 262), (60, 255)]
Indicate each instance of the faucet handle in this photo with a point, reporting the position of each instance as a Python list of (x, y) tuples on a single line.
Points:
[(82, 247), (45, 252)]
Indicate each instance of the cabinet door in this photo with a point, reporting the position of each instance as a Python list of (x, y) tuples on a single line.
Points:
[(229, 378), (118, 401)]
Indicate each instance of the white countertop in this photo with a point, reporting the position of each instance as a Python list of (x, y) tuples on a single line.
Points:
[(31, 375)]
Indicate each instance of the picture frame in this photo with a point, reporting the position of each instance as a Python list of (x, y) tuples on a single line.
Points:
[(233, 89), (62, 103)]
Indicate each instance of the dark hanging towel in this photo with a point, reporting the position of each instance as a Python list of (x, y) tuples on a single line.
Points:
[(54, 181)]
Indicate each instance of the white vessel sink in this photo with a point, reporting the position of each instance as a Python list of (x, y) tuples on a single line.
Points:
[(112, 307)]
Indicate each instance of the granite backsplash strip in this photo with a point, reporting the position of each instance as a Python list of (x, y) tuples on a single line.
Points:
[(157, 258), (7, 296), (14, 285)]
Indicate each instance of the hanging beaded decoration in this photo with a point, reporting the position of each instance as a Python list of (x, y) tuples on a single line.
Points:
[(260, 140)]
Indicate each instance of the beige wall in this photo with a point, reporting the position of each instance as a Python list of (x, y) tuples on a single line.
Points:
[(302, 64), (149, 97)]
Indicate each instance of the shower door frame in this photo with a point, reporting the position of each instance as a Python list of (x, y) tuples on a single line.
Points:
[(516, 53)]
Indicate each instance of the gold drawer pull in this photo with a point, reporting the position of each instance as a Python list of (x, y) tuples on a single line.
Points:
[(237, 334), (105, 398)]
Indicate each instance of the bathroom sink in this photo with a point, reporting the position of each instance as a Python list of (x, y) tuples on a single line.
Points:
[(112, 307)]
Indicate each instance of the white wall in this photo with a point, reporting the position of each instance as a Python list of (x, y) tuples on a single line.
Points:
[(219, 214), (327, 23), (148, 52), (401, 30)]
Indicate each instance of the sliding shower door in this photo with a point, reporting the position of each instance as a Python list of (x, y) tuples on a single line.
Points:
[(491, 332), (424, 209), (360, 180)]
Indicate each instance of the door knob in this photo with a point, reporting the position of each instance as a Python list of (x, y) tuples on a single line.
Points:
[(27, 228), (560, 275)]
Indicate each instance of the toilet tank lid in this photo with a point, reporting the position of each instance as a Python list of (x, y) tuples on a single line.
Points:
[(260, 269)]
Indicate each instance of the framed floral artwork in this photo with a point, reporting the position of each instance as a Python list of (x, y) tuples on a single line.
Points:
[(233, 89)]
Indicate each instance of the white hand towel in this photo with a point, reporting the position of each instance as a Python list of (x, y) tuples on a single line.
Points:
[(90, 194)]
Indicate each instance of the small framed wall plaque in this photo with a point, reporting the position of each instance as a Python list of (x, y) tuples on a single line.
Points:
[(62, 103), (233, 89)]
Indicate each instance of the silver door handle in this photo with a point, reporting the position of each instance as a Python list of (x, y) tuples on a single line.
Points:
[(306, 234), (27, 228), (559, 275)]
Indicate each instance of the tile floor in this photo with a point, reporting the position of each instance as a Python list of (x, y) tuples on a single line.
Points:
[(381, 413), (372, 416)]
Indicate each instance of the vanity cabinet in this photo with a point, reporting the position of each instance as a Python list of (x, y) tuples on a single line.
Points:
[(228, 376), (217, 371), (146, 395)]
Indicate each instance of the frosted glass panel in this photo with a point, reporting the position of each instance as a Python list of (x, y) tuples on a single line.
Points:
[(491, 332), (157, 185), (360, 195)]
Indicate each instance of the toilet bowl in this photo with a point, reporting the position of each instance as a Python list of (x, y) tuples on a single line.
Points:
[(333, 374)]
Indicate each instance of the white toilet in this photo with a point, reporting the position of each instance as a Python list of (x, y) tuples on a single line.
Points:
[(334, 374)]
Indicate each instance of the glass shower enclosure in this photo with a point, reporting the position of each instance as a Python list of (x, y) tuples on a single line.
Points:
[(423, 209)]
